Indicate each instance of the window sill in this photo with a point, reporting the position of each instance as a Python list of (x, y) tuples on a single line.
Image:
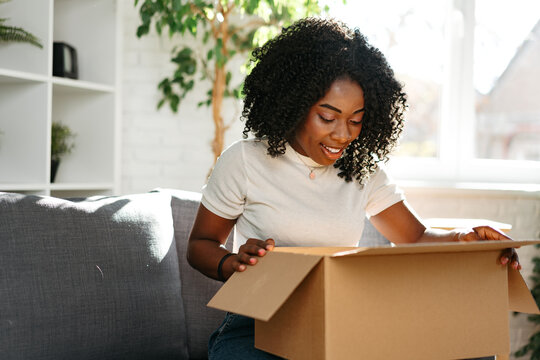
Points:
[(469, 188)]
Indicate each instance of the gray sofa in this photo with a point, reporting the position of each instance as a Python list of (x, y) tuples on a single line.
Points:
[(103, 278)]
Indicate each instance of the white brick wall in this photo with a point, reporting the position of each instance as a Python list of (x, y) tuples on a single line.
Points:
[(162, 149)]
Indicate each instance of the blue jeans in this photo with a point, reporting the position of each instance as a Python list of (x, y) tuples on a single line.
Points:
[(235, 339)]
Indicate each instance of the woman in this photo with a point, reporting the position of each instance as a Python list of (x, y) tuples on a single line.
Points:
[(326, 110)]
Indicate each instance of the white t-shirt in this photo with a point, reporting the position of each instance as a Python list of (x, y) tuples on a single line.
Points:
[(275, 197)]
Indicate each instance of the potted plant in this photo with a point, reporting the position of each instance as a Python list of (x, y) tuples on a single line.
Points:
[(61, 144), (16, 34)]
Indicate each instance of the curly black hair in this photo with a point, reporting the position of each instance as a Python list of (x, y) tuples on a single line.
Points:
[(295, 69)]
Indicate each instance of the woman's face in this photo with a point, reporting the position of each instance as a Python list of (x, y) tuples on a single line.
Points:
[(332, 123)]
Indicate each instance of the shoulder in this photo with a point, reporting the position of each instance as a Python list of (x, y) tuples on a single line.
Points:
[(241, 154), (380, 176), (247, 145), (246, 149)]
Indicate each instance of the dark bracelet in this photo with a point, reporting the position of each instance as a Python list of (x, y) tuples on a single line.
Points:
[(220, 265)]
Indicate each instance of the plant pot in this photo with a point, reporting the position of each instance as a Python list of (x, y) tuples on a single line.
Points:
[(54, 169)]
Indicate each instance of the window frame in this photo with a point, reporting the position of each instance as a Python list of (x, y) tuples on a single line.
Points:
[(456, 165)]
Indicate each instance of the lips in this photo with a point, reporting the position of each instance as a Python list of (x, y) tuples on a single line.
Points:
[(331, 152)]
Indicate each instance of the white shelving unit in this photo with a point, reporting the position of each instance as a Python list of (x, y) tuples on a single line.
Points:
[(31, 98)]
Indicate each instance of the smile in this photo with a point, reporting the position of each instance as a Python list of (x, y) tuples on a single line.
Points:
[(332, 149), (332, 153)]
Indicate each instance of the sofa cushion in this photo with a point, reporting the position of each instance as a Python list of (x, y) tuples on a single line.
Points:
[(197, 289), (93, 279)]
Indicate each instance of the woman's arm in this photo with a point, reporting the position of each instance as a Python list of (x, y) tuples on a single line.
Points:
[(400, 224), (205, 249)]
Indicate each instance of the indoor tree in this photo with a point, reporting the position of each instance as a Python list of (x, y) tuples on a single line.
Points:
[(220, 29)]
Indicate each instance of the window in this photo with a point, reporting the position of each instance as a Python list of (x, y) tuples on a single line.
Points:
[(470, 69), (507, 80)]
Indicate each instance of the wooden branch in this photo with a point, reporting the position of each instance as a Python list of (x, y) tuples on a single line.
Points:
[(220, 7), (207, 72), (197, 10), (230, 7)]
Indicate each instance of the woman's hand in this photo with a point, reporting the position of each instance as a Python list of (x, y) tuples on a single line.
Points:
[(248, 253), (400, 225), (205, 250), (509, 256)]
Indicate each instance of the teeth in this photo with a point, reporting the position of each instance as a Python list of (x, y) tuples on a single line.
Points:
[(332, 150)]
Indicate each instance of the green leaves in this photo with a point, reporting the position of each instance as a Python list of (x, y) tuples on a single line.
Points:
[(61, 140), (16, 34), (175, 88), (221, 30), (172, 14), (185, 61), (251, 5), (533, 346)]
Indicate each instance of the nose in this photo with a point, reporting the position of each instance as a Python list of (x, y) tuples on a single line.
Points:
[(341, 132)]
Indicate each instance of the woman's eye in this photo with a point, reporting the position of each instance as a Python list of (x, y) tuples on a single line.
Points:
[(325, 119), (356, 122)]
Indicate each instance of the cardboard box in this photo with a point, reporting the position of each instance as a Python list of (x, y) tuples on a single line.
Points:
[(434, 301)]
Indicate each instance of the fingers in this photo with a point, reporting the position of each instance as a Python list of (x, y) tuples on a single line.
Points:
[(510, 257), (248, 253), (480, 233), (270, 244), (489, 233), (466, 235)]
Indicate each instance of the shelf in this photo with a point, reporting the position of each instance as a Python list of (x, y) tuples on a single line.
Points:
[(81, 193), (55, 186), (21, 187), (68, 86), (81, 186), (13, 77)]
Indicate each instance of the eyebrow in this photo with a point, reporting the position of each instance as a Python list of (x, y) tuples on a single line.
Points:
[(328, 106)]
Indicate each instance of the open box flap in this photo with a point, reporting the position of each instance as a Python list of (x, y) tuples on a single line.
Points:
[(520, 298), (260, 291), (436, 248)]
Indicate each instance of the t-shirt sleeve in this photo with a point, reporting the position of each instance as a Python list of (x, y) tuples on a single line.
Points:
[(382, 192), (225, 192)]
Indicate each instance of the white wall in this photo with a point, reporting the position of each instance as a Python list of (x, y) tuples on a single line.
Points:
[(162, 149)]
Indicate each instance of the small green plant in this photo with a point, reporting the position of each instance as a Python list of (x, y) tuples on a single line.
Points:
[(16, 34), (61, 141)]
